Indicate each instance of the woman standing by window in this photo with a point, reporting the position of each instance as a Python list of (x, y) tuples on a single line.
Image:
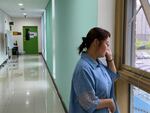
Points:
[(92, 88)]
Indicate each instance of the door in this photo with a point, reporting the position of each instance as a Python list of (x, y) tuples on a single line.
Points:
[(30, 39)]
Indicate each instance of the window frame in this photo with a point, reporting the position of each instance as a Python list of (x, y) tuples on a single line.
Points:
[(146, 8), (132, 75)]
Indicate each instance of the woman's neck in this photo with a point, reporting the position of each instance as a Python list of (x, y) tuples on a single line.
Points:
[(92, 54)]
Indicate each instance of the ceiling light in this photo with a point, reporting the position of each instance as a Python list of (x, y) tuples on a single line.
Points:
[(27, 93), (24, 14), (27, 102), (20, 4)]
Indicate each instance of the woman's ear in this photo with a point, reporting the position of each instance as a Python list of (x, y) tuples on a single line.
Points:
[(97, 42)]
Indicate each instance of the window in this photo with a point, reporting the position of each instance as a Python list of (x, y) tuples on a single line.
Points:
[(137, 51), (140, 101), (132, 54), (137, 37)]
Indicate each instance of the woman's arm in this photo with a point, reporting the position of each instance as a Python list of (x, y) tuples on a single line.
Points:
[(111, 65), (107, 103)]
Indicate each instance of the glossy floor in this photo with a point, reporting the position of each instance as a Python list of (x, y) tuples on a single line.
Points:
[(26, 87)]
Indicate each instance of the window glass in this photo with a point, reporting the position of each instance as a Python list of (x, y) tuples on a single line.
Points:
[(140, 101), (149, 2), (137, 53), (142, 42)]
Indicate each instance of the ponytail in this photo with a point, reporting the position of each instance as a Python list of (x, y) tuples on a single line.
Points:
[(83, 45)]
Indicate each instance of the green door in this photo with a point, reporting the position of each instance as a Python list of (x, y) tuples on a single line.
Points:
[(30, 39)]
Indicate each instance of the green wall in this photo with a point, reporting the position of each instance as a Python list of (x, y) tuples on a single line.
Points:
[(49, 35), (73, 19)]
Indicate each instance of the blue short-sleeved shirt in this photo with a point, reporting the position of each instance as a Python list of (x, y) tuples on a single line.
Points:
[(91, 81)]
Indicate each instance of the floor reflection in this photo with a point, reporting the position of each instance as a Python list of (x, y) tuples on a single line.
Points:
[(26, 87)]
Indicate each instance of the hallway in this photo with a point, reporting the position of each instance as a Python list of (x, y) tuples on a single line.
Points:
[(26, 87)]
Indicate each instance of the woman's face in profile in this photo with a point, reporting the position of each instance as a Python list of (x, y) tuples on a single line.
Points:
[(103, 45)]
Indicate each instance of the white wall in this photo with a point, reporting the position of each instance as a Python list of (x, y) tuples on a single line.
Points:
[(4, 27), (43, 25), (18, 26), (106, 18)]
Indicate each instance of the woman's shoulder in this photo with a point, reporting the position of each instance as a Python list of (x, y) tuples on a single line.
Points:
[(82, 68), (83, 64)]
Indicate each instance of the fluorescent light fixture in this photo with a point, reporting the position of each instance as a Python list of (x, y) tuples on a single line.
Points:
[(20, 4)]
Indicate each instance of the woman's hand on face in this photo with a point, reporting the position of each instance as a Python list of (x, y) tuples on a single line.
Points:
[(108, 54)]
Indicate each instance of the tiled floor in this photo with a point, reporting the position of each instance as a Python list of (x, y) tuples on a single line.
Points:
[(26, 87)]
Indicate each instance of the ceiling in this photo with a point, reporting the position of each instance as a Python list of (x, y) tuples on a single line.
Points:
[(33, 8)]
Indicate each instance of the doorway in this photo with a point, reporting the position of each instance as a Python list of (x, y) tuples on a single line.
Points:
[(30, 39)]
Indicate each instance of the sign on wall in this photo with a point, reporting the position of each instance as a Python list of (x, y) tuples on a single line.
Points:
[(33, 34), (15, 33)]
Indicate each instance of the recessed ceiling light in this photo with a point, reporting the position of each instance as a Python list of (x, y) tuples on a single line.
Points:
[(24, 13), (27, 102), (27, 93), (20, 4)]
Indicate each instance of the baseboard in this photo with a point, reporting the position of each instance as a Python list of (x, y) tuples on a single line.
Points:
[(3, 64), (65, 108)]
